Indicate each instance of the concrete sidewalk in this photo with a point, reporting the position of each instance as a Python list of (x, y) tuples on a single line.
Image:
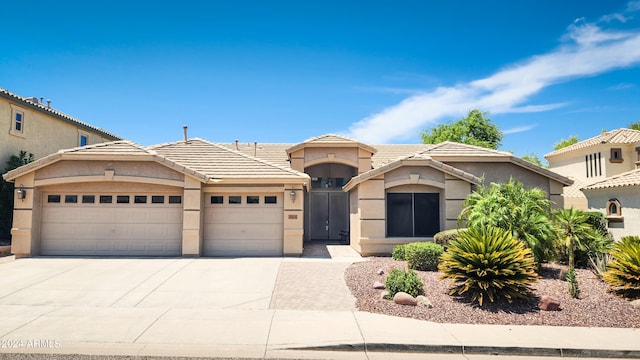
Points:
[(243, 308)]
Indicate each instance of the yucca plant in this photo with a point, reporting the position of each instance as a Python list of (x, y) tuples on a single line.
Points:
[(623, 271), (489, 263)]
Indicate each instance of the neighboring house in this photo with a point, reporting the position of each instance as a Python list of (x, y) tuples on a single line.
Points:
[(594, 160), (28, 125), (618, 197), (197, 198), (604, 169)]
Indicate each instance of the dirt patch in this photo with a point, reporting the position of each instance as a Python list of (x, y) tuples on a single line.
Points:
[(596, 307)]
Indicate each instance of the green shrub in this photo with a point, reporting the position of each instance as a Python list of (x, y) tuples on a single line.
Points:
[(404, 281), (488, 263), (443, 238), (574, 290), (398, 252), (589, 248), (423, 256), (623, 271), (598, 221)]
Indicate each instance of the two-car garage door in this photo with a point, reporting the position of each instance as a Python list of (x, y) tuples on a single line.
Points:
[(243, 225), (104, 224)]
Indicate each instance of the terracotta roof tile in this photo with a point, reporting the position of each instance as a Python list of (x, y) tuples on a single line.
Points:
[(618, 136), (217, 161), (55, 113), (630, 178)]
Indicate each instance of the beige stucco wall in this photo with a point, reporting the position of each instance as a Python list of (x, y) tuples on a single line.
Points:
[(368, 205), (501, 172), (630, 202), (42, 134)]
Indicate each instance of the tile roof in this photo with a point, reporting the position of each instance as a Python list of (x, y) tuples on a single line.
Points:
[(574, 190), (454, 149), (273, 153), (55, 113), (330, 139), (391, 152), (630, 178), (219, 162), (618, 136)]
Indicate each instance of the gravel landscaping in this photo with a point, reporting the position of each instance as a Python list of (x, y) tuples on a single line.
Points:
[(595, 308)]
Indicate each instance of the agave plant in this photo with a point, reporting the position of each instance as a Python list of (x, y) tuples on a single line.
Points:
[(489, 263), (623, 271)]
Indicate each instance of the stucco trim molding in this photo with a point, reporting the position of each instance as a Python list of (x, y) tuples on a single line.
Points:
[(414, 181), (331, 160), (103, 178)]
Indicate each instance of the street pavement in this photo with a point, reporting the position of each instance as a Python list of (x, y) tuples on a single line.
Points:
[(245, 307)]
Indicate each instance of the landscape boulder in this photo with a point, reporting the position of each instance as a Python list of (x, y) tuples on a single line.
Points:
[(424, 301), (548, 303), (378, 285), (380, 271), (403, 298), (636, 304)]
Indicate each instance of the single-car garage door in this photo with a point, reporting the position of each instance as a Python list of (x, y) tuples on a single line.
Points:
[(105, 224), (243, 225)]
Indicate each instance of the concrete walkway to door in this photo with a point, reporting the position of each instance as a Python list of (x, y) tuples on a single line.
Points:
[(316, 280)]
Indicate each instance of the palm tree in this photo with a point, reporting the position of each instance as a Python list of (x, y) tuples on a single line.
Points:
[(573, 227), (509, 206)]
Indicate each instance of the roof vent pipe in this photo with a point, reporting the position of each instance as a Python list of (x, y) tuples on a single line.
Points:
[(255, 148), (237, 148), (48, 103), (41, 98), (184, 129)]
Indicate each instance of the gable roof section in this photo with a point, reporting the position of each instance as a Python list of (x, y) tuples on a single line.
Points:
[(116, 150), (218, 162), (331, 140), (409, 161), (457, 152), (56, 114), (618, 136), (630, 178)]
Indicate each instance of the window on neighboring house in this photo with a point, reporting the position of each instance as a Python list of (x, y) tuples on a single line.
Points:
[(413, 214), (83, 140), (17, 122), (614, 210), (616, 155), (594, 164)]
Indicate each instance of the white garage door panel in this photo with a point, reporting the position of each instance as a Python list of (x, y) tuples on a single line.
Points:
[(111, 229), (243, 229)]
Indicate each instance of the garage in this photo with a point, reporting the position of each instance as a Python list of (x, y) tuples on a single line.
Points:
[(111, 224), (243, 224)]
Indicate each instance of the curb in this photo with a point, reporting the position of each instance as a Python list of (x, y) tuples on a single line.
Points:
[(479, 350)]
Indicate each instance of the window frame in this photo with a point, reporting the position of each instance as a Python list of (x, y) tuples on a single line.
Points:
[(614, 216), (15, 112), (614, 158), (417, 221)]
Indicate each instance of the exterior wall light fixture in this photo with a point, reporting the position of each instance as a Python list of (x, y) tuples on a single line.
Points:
[(293, 195), (21, 192)]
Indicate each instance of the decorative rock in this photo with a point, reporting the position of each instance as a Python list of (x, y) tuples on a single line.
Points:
[(403, 298), (378, 285), (384, 294), (424, 301), (636, 304), (548, 303), (380, 271)]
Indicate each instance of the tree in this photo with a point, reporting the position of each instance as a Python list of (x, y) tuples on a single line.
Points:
[(474, 129), (635, 125), (573, 228), (6, 193), (509, 206), (533, 158), (563, 143)]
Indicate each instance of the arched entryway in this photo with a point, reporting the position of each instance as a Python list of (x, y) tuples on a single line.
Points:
[(327, 205)]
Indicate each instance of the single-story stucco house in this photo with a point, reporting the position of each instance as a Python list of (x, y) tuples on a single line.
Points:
[(197, 198)]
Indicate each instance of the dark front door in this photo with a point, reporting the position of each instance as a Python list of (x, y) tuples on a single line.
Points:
[(329, 214)]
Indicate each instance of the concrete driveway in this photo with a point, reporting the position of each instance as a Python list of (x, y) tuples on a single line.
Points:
[(141, 283)]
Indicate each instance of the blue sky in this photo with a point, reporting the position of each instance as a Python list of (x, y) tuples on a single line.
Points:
[(285, 71)]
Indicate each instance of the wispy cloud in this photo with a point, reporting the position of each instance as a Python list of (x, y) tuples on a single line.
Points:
[(586, 49), (622, 86), (519, 129)]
